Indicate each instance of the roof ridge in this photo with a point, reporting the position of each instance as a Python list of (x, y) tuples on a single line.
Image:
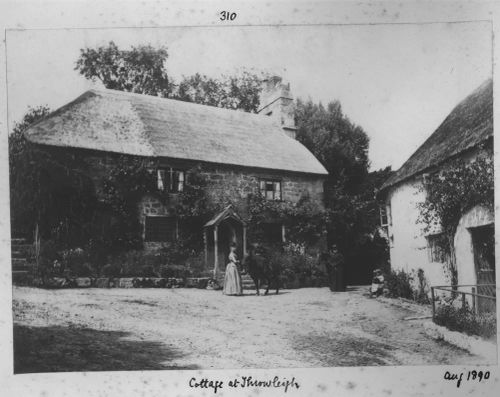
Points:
[(440, 135), (216, 109)]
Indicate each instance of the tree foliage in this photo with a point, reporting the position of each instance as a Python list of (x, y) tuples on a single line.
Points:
[(305, 220), (340, 145), (238, 92), (342, 148), (45, 188), (141, 69)]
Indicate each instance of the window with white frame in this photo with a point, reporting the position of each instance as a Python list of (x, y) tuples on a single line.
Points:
[(170, 180), (270, 189)]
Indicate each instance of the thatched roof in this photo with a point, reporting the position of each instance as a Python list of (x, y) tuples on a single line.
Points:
[(143, 125), (469, 124)]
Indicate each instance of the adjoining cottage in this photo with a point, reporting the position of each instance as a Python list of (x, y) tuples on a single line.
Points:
[(467, 133), (240, 153)]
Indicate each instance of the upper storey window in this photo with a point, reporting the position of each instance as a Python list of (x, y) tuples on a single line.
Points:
[(170, 180), (270, 189)]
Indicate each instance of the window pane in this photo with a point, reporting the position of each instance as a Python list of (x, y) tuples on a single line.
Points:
[(277, 190), (269, 194), (161, 179), (180, 185), (262, 188)]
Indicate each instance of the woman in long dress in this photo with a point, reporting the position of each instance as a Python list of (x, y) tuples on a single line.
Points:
[(232, 278)]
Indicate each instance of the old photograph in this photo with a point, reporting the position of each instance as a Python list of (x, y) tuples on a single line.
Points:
[(251, 197)]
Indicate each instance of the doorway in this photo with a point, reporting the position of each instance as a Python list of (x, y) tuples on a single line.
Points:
[(483, 244)]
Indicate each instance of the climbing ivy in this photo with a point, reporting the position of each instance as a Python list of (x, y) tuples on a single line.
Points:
[(450, 193), (305, 220)]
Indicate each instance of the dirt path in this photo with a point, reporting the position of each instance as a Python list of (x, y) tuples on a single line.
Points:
[(134, 329)]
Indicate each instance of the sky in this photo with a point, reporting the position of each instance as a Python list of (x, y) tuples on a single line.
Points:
[(397, 81)]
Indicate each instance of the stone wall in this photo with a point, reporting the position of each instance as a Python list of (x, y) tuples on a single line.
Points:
[(238, 184), (224, 182)]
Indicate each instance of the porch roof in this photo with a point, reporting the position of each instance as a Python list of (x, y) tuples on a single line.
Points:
[(227, 212)]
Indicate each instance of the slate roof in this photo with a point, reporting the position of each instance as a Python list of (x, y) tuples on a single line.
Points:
[(227, 212), (143, 125), (469, 124)]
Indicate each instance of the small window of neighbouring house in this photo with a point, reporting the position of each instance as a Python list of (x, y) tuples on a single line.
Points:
[(270, 190), (160, 229), (436, 248), (385, 215), (170, 180)]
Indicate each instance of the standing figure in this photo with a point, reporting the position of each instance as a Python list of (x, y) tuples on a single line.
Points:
[(232, 278)]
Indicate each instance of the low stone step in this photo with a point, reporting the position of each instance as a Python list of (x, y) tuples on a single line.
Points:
[(21, 277), (19, 262), (18, 254), (18, 240), (22, 269), (24, 248)]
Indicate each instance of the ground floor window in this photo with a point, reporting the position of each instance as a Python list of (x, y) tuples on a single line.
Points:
[(436, 247), (160, 229)]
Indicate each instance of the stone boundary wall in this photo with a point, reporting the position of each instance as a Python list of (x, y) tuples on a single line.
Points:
[(122, 282)]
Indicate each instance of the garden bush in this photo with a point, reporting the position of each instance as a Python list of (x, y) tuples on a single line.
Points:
[(467, 321), (174, 271), (111, 270), (298, 268), (399, 284)]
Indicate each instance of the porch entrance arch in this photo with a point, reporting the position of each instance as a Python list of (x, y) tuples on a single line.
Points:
[(223, 229)]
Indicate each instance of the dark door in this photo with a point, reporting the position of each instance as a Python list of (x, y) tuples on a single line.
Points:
[(483, 243)]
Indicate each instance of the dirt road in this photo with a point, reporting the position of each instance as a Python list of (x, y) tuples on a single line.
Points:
[(144, 329)]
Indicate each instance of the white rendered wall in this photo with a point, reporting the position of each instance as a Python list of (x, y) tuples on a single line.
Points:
[(408, 246)]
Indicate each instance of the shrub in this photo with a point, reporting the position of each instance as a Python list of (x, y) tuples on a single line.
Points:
[(82, 270), (297, 268), (174, 271), (76, 262), (111, 270), (399, 284), (147, 271), (467, 321)]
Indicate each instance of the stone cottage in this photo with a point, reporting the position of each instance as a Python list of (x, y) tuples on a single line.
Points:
[(466, 133), (240, 154)]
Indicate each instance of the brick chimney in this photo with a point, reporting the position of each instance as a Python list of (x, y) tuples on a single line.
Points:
[(277, 101)]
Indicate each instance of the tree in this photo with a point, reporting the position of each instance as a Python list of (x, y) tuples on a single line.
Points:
[(141, 69), (239, 92), (18, 164), (46, 188), (342, 147)]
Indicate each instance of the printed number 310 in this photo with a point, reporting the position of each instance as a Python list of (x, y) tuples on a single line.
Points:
[(227, 16)]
